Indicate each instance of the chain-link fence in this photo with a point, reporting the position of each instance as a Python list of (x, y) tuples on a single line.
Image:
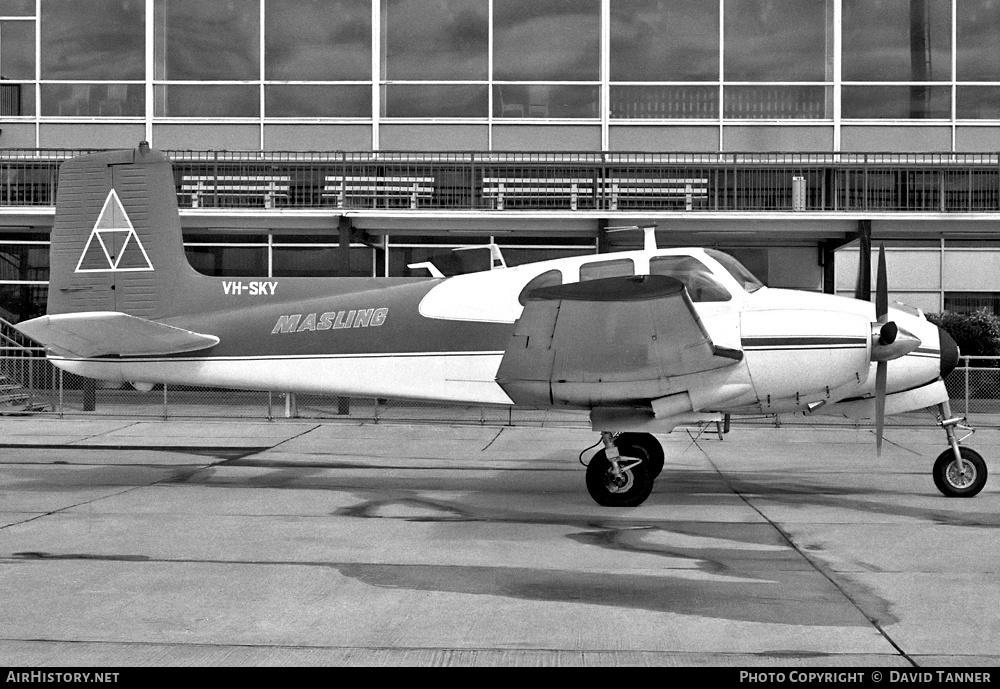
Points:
[(974, 386), (30, 383)]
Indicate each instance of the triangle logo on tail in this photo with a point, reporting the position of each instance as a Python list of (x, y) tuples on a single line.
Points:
[(113, 228)]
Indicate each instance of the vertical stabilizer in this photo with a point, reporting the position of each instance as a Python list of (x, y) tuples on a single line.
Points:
[(116, 243)]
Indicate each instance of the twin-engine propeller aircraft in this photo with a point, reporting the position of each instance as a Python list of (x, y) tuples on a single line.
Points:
[(645, 340)]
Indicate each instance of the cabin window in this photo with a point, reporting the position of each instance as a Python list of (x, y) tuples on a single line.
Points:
[(737, 270), (607, 269), (701, 284), (550, 278)]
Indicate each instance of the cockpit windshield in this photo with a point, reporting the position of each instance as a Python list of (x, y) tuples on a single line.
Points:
[(739, 272), (701, 284)]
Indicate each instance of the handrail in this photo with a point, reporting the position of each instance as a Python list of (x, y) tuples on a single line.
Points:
[(15, 339), (736, 181)]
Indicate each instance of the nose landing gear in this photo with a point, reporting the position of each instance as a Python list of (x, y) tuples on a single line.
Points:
[(959, 472)]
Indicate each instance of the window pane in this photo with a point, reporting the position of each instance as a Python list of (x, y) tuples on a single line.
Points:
[(435, 39), (978, 103), (778, 40), (971, 302), (22, 302), (314, 262), (778, 102), (329, 100), (976, 45), (24, 262), (197, 40), (74, 46), (435, 100), (17, 8), (664, 40), (17, 99), (445, 259), (228, 261), (665, 102), (17, 50), (93, 100), (321, 40), (884, 41), (607, 269), (896, 102), (184, 100), (544, 100), (557, 40)]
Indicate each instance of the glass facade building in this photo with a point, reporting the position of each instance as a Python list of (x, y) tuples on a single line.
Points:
[(531, 77), (658, 75)]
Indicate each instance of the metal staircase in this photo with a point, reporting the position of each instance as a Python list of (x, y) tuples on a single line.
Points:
[(23, 368)]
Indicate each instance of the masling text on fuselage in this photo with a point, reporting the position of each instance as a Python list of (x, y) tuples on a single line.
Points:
[(330, 320)]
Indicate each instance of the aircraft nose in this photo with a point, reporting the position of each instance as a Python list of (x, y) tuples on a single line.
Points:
[(949, 353)]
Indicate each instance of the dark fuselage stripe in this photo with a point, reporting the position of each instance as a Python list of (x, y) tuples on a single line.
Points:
[(803, 342)]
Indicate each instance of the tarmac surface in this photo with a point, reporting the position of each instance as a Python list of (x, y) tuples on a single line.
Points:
[(131, 543)]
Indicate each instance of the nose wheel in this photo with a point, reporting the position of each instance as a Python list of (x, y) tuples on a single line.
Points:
[(962, 481), (959, 472)]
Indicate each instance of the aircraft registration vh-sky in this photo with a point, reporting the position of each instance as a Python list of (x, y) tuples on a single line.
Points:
[(645, 340)]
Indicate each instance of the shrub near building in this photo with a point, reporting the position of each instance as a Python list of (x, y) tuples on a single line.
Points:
[(977, 334)]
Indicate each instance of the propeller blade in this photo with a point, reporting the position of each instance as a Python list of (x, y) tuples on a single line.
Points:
[(881, 288), (880, 376)]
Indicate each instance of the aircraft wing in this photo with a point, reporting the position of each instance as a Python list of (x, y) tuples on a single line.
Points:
[(103, 333), (608, 341)]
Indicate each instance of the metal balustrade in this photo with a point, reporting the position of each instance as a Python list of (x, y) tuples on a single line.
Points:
[(518, 181)]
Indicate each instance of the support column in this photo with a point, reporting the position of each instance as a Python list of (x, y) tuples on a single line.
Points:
[(828, 257), (863, 289), (603, 244), (344, 253)]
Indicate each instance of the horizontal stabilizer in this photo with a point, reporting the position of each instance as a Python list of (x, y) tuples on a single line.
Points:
[(109, 333)]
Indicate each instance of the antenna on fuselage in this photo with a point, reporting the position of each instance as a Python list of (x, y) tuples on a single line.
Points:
[(496, 256), (649, 234), (428, 266)]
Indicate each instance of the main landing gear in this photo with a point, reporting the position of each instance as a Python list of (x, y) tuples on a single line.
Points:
[(622, 474), (959, 472)]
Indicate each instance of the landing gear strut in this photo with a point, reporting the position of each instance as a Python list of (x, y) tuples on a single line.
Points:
[(622, 474), (959, 472)]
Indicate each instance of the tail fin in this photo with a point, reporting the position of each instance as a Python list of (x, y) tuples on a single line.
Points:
[(116, 260), (116, 244)]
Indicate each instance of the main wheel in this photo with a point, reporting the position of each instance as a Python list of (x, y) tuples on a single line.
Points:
[(955, 485), (629, 489), (648, 444)]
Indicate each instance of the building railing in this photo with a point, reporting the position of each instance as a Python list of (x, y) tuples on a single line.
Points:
[(513, 181), (29, 382)]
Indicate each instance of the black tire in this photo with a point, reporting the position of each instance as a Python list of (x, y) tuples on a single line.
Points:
[(948, 481), (631, 489), (650, 445)]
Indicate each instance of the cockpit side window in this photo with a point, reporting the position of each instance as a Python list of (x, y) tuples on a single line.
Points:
[(607, 269), (550, 278), (701, 284)]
